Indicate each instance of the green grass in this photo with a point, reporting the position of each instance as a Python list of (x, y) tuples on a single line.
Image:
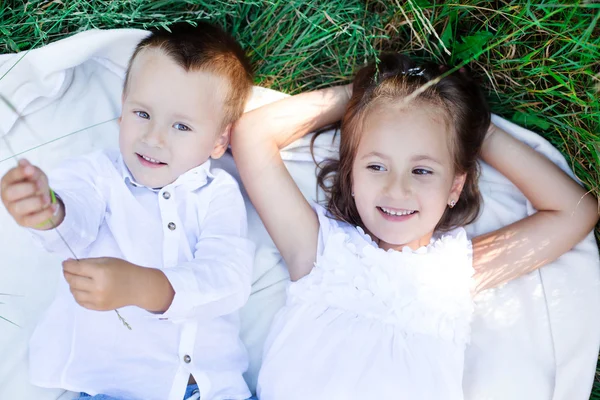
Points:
[(540, 62)]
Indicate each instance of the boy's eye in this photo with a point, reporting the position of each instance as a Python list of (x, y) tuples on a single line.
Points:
[(376, 167), (142, 114), (422, 171), (181, 127)]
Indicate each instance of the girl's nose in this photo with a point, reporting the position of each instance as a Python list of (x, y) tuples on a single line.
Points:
[(400, 186)]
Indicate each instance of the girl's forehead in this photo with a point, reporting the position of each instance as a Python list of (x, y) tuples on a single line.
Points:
[(421, 129)]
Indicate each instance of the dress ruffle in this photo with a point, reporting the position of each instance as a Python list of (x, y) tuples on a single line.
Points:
[(424, 291)]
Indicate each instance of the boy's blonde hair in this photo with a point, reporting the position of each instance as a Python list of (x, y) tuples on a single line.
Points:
[(205, 47)]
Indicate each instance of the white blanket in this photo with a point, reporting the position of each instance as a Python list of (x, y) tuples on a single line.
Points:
[(534, 338)]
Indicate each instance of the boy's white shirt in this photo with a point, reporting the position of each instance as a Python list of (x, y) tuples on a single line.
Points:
[(193, 229)]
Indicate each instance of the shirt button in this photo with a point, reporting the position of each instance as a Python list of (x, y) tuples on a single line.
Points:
[(171, 226), (187, 359), (166, 195)]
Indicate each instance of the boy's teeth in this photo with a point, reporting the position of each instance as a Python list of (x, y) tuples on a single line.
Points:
[(391, 212), (152, 160)]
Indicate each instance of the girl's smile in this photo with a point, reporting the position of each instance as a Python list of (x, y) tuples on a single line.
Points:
[(395, 215)]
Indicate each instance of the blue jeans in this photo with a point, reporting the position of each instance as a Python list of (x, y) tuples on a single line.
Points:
[(189, 392)]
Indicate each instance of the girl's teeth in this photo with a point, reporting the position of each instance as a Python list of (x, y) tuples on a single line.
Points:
[(390, 212)]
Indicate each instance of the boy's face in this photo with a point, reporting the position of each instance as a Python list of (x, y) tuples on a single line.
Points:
[(171, 120)]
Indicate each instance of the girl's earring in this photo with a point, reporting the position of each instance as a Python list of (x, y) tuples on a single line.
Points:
[(352, 194), (452, 203)]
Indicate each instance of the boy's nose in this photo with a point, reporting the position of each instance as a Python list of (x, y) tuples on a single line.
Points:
[(153, 137)]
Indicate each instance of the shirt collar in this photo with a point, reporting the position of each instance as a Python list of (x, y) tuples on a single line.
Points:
[(192, 179)]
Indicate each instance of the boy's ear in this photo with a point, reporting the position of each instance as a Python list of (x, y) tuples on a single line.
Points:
[(222, 142), (122, 101)]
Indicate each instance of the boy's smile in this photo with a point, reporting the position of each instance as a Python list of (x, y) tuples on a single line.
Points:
[(172, 119), (150, 162)]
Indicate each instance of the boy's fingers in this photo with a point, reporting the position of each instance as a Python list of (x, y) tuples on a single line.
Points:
[(77, 282), (82, 298), (41, 180), (11, 177), (75, 267), (30, 205), (88, 305), (37, 219), (22, 173), (86, 300), (34, 174), (20, 191)]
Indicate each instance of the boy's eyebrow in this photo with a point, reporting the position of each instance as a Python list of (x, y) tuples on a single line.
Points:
[(183, 117), (138, 103)]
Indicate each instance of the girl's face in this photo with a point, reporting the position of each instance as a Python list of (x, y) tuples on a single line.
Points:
[(403, 174)]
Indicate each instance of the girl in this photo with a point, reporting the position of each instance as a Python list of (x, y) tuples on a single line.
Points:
[(383, 275)]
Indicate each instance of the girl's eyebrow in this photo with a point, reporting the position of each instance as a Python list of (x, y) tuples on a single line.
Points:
[(424, 157), (375, 154), (417, 158)]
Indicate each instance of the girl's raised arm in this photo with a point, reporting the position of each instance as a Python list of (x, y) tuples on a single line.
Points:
[(566, 214), (256, 140)]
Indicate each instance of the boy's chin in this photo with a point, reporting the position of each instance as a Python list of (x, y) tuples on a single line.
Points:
[(153, 182)]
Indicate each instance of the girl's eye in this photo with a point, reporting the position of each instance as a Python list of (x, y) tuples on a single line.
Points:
[(421, 171), (376, 167), (142, 114), (181, 127)]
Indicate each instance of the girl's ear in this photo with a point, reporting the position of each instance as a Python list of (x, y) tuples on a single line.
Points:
[(457, 187), (222, 142)]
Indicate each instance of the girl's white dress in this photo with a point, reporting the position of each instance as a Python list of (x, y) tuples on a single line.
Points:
[(373, 324)]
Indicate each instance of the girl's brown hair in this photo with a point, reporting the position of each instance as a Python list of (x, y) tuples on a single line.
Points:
[(397, 78)]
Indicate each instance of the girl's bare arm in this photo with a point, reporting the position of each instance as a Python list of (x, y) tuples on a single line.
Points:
[(566, 214), (257, 138)]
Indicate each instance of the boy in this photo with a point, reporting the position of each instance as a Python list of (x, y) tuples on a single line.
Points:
[(160, 236)]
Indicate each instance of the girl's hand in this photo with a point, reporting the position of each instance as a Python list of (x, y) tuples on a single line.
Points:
[(491, 130), (566, 213), (104, 284), (27, 197), (349, 90)]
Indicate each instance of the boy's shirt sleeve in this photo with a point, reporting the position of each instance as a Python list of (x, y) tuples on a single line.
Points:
[(75, 182), (217, 281)]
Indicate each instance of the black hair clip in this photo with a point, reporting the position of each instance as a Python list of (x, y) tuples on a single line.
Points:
[(416, 71)]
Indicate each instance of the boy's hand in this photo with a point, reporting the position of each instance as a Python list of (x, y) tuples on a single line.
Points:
[(100, 284), (104, 284), (26, 196)]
